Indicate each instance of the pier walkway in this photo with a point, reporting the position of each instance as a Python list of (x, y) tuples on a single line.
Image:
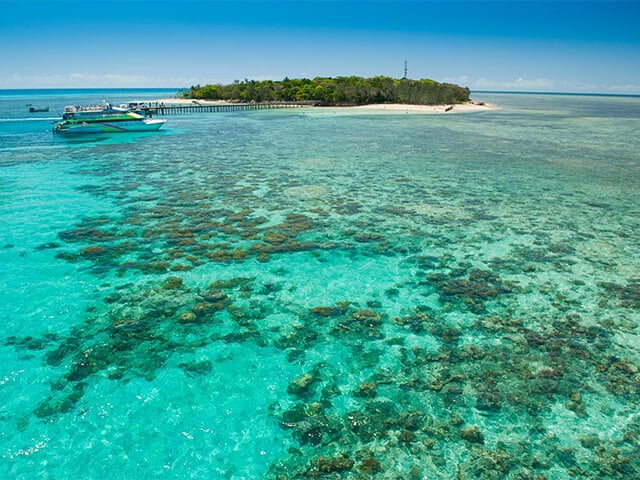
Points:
[(156, 108)]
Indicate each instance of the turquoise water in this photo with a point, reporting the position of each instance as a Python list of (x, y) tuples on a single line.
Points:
[(311, 293)]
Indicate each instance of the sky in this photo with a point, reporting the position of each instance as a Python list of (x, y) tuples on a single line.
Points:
[(546, 45)]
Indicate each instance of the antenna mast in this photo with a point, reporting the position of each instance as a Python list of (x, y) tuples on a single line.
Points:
[(405, 70)]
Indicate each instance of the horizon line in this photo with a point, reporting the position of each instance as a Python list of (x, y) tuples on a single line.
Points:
[(542, 92)]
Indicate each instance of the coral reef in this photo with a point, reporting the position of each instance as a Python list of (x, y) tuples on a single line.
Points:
[(461, 331)]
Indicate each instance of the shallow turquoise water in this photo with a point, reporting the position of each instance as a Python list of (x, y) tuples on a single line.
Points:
[(314, 294)]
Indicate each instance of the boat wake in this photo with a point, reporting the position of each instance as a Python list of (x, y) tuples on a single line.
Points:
[(29, 119)]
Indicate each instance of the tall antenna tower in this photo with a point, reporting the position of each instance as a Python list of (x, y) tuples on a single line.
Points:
[(405, 70)]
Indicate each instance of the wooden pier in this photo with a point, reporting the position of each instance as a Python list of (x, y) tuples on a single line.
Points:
[(156, 108)]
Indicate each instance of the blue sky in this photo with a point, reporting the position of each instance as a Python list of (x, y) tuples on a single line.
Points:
[(552, 45)]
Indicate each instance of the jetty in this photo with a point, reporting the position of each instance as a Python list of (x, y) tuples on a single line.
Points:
[(159, 108)]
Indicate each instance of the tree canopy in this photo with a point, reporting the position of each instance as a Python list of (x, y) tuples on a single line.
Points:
[(336, 91)]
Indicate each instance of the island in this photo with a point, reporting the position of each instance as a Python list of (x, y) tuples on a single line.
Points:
[(338, 91)]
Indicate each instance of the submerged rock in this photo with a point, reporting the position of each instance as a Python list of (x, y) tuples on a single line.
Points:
[(214, 296), (366, 426), (86, 234), (206, 308), (188, 317), (479, 287), (489, 398), (202, 367), (156, 267), (366, 390), (472, 434), (411, 421), (367, 317), (370, 466), (243, 283), (46, 246), (302, 386), (416, 322), (308, 422), (325, 311), (336, 464), (62, 402), (406, 436), (174, 283), (363, 322)]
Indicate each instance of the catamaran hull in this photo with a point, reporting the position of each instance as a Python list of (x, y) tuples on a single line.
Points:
[(147, 125)]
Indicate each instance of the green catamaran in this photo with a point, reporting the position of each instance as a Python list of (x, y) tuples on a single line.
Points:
[(104, 118)]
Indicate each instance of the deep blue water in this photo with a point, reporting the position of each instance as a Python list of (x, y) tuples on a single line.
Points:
[(317, 293)]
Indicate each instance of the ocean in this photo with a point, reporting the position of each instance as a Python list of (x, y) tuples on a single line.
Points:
[(318, 293)]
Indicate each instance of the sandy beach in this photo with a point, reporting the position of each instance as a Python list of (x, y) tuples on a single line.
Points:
[(423, 109), (391, 108)]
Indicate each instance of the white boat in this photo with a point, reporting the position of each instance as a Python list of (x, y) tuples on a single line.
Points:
[(104, 119)]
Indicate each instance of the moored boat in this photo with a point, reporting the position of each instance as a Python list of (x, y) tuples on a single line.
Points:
[(33, 109), (104, 119)]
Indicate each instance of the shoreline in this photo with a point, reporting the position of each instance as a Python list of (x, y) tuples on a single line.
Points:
[(377, 108), (468, 107)]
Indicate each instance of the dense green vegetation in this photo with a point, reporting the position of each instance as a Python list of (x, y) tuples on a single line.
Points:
[(336, 91)]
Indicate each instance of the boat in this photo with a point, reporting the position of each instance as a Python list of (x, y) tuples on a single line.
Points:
[(104, 118), (38, 109)]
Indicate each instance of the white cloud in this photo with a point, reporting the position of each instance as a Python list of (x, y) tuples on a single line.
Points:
[(624, 89), (462, 80), (544, 85), (518, 84), (92, 80)]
